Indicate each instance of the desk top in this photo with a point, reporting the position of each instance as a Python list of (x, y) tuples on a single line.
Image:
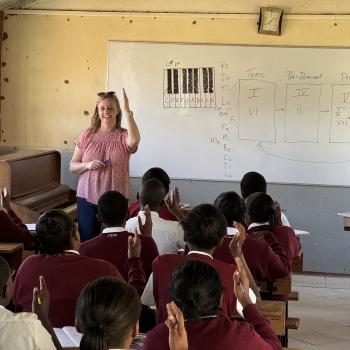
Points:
[(301, 233), (345, 215), (6, 248)]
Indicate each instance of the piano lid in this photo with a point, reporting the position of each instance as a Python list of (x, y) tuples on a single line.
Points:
[(26, 172)]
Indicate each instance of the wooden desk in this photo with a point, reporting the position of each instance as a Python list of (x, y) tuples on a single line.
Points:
[(299, 233), (13, 253), (346, 219), (298, 262), (275, 311)]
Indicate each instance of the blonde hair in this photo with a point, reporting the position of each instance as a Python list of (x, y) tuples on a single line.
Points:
[(95, 119)]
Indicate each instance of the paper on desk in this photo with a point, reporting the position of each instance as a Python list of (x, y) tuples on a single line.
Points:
[(31, 227), (239, 306), (231, 231)]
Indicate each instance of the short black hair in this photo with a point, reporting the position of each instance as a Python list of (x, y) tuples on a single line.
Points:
[(112, 208), (261, 208), (152, 193), (196, 288), (252, 182), (159, 174), (232, 206), (54, 229), (204, 226), (106, 311)]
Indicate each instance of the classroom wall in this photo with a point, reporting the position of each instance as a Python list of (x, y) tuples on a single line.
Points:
[(53, 63)]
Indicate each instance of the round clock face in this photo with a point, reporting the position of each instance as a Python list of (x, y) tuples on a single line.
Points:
[(270, 21)]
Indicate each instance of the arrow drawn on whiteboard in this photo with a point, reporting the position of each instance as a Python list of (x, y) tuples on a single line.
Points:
[(260, 146)]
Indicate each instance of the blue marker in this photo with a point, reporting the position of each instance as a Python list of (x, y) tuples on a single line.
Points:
[(106, 162)]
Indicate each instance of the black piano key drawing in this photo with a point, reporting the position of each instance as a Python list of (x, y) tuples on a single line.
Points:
[(189, 88)]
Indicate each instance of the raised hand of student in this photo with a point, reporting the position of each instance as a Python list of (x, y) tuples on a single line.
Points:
[(241, 284), (172, 200), (237, 241), (95, 165), (5, 203), (146, 228), (41, 299), (134, 246), (176, 326)]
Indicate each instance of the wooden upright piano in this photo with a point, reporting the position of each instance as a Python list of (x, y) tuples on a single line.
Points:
[(33, 179)]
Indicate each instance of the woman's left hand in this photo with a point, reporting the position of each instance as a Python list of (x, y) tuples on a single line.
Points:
[(126, 102)]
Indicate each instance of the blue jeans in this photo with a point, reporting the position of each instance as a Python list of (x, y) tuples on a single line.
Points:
[(89, 226)]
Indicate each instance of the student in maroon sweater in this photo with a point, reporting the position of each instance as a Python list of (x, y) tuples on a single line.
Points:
[(204, 227), (196, 288), (163, 177), (112, 243), (266, 258), (261, 222), (66, 272), (107, 314), (254, 182), (12, 229)]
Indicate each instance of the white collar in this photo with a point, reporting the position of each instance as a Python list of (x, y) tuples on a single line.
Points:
[(113, 229), (197, 252), (256, 224), (71, 251)]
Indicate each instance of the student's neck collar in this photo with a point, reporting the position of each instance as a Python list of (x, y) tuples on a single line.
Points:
[(203, 317), (256, 224), (155, 210), (70, 252), (113, 229), (196, 250)]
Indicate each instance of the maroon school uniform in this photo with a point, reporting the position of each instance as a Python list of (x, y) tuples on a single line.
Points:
[(113, 247), (253, 333), (285, 236), (163, 267), (266, 259), (163, 212), (289, 241), (65, 275), (12, 230)]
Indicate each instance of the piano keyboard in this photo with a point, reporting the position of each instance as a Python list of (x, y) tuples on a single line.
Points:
[(189, 88)]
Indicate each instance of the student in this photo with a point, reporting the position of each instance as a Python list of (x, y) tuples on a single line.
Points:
[(64, 269), (261, 221), (204, 228), (168, 235), (12, 228), (265, 258), (254, 182), (163, 177), (112, 243), (24, 330), (196, 288), (107, 314)]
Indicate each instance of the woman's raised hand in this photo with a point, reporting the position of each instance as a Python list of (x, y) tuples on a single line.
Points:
[(126, 102), (95, 165)]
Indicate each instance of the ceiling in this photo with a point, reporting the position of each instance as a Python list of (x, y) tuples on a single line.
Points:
[(339, 7)]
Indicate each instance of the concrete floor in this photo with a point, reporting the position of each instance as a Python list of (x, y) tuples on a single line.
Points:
[(324, 314)]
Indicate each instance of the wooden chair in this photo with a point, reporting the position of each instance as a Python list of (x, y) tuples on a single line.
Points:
[(13, 253)]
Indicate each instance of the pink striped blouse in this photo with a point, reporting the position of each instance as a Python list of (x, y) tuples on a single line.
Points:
[(110, 146)]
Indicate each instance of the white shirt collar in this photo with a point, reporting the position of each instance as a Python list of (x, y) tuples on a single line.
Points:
[(71, 251), (153, 213), (256, 224), (113, 229), (197, 252)]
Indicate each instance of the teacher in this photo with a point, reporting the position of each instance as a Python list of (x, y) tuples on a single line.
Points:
[(101, 157)]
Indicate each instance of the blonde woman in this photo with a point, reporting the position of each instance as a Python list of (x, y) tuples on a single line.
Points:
[(101, 157)]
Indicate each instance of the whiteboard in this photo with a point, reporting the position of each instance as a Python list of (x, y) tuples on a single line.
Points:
[(216, 112)]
